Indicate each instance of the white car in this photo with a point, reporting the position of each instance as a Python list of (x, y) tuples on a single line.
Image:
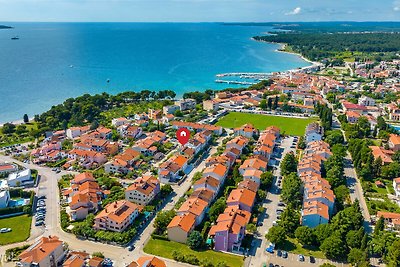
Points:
[(5, 230)]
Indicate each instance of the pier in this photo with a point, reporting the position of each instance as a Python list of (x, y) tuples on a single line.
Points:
[(235, 82)]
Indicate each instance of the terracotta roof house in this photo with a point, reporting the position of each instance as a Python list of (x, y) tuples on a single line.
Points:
[(195, 206), (314, 213), (394, 142), (143, 190), (83, 177), (243, 198), (117, 216), (180, 227), (48, 251), (148, 261), (246, 130), (230, 229)]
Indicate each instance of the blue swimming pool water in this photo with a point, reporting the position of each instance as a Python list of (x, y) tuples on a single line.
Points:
[(18, 202)]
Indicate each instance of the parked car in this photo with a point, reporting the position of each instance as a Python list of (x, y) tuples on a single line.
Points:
[(5, 230), (281, 204), (301, 257), (130, 248), (312, 259), (279, 253), (284, 254)]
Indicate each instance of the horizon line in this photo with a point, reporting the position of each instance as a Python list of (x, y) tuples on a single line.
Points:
[(244, 22)]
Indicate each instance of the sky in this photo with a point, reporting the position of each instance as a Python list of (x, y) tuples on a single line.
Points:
[(199, 10)]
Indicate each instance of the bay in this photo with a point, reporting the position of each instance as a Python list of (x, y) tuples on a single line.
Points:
[(54, 61)]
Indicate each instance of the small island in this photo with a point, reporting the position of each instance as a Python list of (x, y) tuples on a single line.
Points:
[(5, 27)]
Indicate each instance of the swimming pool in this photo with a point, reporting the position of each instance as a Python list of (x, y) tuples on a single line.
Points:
[(18, 202)]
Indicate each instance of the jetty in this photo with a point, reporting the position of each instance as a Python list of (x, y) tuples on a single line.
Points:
[(235, 82)]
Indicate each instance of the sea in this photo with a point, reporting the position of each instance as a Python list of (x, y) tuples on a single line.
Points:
[(51, 62)]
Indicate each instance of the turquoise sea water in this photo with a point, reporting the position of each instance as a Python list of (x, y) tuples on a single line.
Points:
[(53, 61)]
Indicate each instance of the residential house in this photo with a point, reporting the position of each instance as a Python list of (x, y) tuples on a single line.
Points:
[(48, 251), (117, 216), (143, 190), (210, 105), (243, 198), (246, 130), (230, 229), (396, 186), (170, 169), (314, 213), (148, 261), (217, 171), (314, 132), (180, 227), (195, 206), (4, 198), (384, 154), (208, 182), (116, 122), (366, 101), (19, 178), (352, 116), (186, 104), (394, 142)]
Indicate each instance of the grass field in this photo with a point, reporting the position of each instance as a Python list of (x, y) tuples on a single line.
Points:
[(21, 228), (291, 126), (165, 249), (293, 246)]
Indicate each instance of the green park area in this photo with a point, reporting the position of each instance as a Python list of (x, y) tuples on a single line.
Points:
[(20, 229), (291, 126), (165, 248)]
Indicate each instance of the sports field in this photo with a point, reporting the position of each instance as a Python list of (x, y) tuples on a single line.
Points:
[(291, 126)]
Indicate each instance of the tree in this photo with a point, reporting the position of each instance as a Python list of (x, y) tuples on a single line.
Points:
[(275, 105), (178, 113), (8, 128), (334, 247), (162, 220), (380, 225), (357, 257), (251, 228), (26, 119), (98, 254), (276, 234), (217, 208), (334, 137), (263, 104), (166, 190), (269, 104), (354, 238), (195, 240), (305, 235), (322, 232), (393, 255), (291, 190), (326, 264), (266, 180), (290, 220), (288, 164)]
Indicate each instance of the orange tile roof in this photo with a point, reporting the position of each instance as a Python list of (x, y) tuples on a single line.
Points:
[(243, 196), (315, 207), (118, 211), (185, 222), (74, 261), (248, 184), (208, 181), (194, 205), (395, 139), (39, 251), (150, 261), (82, 177), (233, 220), (95, 262)]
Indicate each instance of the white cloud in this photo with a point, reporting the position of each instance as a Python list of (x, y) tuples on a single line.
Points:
[(396, 5), (295, 11)]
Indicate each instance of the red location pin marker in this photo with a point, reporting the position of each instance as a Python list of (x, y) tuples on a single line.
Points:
[(183, 135)]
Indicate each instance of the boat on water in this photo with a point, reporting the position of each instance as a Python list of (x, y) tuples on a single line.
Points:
[(15, 38)]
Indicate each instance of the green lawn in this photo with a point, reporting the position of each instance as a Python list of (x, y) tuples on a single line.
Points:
[(21, 228), (293, 246), (165, 249), (292, 126)]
